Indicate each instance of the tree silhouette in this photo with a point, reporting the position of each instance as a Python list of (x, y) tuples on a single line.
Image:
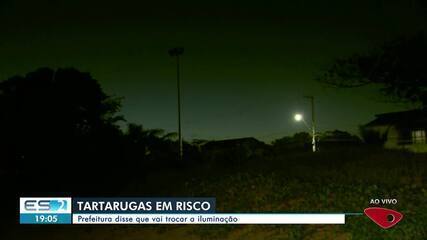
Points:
[(149, 144), (54, 122), (297, 141), (399, 67)]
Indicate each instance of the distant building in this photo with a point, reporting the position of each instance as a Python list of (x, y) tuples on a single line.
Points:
[(401, 130), (337, 138), (234, 149)]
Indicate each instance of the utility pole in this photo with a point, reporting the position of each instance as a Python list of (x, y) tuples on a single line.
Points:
[(176, 52), (313, 124), (299, 118)]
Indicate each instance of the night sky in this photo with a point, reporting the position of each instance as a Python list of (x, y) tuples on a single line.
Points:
[(246, 66)]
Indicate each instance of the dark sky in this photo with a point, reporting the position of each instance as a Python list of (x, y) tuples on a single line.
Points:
[(246, 65)]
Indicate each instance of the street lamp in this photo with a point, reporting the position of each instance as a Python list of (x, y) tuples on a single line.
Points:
[(299, 118), (176, 52)]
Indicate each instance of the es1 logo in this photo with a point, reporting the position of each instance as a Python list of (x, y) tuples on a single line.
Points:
[(45, 205)]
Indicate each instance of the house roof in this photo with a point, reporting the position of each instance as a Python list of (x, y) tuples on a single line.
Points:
[(411, 118)]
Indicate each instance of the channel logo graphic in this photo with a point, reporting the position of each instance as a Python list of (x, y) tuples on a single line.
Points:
[(383, 217), (44, 210)]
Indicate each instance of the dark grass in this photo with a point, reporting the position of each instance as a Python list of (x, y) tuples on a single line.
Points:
[(333, 180)]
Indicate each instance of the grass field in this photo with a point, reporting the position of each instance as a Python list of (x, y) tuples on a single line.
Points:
[(343, 180)]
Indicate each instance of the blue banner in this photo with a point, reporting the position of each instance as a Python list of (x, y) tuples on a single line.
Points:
[(38, 218)]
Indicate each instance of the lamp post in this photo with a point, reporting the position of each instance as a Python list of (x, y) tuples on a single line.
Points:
[(313, 123), (299, 118), (176, 52)]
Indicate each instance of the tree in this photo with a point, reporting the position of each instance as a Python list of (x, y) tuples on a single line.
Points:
[(58, 121), (149, 144), (299, 140), (399, 67)]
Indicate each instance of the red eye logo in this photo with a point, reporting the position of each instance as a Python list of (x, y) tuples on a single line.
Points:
[(383, 217)]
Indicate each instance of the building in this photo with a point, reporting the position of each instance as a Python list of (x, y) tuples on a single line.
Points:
[(337, 138), (400, 130), (234, 149)]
